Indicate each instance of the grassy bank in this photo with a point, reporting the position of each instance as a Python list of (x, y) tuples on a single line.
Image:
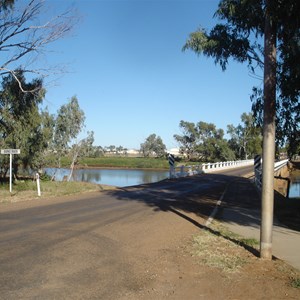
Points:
[(27, 190), (116, 162)]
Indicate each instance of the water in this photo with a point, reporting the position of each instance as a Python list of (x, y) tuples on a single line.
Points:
[(116, 177), (295, 186)]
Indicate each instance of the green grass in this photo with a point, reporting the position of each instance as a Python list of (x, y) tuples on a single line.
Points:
[(295, 282), (126, 162), (115, 162)]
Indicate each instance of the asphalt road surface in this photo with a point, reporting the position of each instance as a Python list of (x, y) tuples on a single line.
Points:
[(116, 244)]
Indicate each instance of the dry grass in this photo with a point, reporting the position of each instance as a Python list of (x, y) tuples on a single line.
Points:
[(27, 190), (222, 250)]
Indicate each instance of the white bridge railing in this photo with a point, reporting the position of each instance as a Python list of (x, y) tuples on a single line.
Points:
[(182, 171)]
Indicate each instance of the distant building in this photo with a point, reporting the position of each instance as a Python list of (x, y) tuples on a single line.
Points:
[(174, 151), (133, 152)]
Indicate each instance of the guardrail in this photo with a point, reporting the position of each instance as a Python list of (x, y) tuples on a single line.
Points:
[(183, 171)]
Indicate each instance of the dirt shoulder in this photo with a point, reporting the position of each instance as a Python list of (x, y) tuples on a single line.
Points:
[(27, 190)]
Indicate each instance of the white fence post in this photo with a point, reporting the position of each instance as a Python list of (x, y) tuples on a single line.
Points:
[(38, 184)]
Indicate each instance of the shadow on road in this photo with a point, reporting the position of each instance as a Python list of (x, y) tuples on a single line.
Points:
[(197, 196)]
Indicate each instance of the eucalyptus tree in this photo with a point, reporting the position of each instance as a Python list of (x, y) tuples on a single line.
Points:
[(203, 141), (188, 139), (68, 124), (6, 4), (211, 144), (245, 138), (153, 146), (240, 35), (22, 124), (80, 149), (264, 34)]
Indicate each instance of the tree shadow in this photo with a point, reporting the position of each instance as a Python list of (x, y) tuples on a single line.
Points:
[(194, 198)]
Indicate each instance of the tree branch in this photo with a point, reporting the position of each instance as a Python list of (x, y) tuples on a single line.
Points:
[(21, 35)]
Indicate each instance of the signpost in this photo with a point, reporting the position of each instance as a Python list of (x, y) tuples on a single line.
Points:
[(10, 152), (171, 159), (257, 170)]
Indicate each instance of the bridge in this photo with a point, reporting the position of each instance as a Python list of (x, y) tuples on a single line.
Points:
[(125, 243)]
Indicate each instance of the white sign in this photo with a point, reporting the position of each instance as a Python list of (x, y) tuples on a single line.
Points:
[(10, 151)]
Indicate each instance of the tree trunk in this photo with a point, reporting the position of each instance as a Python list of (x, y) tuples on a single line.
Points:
[(72, 165), (268, 137)]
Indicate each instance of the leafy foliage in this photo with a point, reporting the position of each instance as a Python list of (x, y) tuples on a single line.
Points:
[(68, 124), (239, 36), (22, 125), (6, 4), (153, 146), (203, 141), (246, 138)]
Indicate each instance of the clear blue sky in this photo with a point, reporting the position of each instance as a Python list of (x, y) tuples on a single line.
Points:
[(132, 78)]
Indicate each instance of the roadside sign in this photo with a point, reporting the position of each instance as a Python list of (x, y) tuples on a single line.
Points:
[(171, 159), (10, 151)]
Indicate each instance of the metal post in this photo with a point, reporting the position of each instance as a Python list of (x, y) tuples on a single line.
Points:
[(10, 152)]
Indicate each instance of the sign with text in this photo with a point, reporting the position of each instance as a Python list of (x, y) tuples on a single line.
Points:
[(10, 151)]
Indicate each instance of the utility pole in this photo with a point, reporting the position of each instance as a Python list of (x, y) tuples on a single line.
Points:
[(268, 135)]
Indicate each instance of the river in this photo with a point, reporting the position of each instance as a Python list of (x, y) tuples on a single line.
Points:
[(295, 185), (116, 177), (128, 177)]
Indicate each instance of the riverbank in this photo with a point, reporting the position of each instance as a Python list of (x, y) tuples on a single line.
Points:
[(27, 190), (115, 162)]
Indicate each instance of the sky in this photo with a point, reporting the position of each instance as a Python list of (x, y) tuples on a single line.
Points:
[(132, 79)]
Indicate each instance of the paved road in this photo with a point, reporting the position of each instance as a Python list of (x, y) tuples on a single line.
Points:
[(100, 245)]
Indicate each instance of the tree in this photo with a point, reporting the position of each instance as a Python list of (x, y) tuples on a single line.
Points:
[(68, 124), (111, 149), (211, 143), (240, 38), (97, 151), (188, 139), (153, 146), (246, 138), (203, 141), (22, 124), (278, 22), (82, 148), (6, 4), (23, 36)]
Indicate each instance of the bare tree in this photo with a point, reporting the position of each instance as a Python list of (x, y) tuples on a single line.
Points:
[(24, 35)]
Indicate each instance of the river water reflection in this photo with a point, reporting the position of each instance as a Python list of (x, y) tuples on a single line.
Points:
[(116, 177), (295, 186)]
